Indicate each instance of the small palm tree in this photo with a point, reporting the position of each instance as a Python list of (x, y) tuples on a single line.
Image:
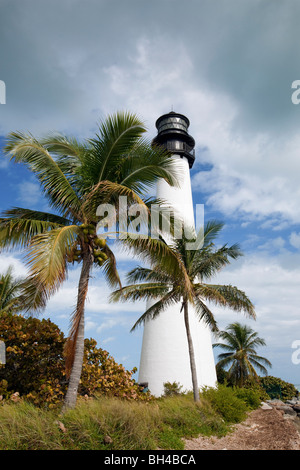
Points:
[(76, 177), (10, 292), (180, 277), (240, 343)]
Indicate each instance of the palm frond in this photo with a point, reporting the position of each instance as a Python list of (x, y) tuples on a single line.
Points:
[(205, 314), (18, 226), (207, 262), (145, 274), (54, 183), (145, 164), (162, 304), (211, 231), (138, 292), (110, 268), (228, 295), (34, 295), (163, 258), (10, 289), (116, 136), (46, 256), (258, 362)]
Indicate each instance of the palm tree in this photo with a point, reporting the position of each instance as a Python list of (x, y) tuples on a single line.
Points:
[(180, 277), (10, 292), (76, 177), (240, 343)]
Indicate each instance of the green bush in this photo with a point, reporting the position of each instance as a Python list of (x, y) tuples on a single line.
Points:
[(172, 388), (278, 388), (35, 365), (181, 416), (249, 396), (225, 401), (256, 387)]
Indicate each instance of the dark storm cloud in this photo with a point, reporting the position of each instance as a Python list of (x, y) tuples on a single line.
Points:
[(53, 54)]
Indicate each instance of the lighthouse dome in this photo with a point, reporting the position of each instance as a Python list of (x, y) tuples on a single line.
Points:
[(172, 133)]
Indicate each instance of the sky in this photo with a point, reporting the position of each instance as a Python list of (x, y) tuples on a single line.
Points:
[(229, 67)]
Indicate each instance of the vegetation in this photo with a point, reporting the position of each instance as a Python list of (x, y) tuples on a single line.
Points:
[(10, 290), (76, 177), (43, 368), (35, 365), (172, 388), (278, 388), (185, 284), (112, 423), (240, 343), (111, 412)]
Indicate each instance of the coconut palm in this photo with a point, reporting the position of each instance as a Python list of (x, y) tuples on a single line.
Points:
[(76, 177), (240, 343), (10, 292), (186, 284)]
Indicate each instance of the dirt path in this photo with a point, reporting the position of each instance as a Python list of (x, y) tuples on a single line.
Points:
[(262, 430)]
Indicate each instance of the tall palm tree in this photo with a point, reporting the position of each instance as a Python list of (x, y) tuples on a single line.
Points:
[(240, 343), (10, 292), (186, 284), (76, 177)]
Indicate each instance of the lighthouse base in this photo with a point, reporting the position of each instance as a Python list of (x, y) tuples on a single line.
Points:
[(165, 355)]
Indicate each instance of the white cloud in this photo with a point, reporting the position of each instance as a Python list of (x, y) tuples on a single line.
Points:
[(29, 194), (295, 239), (273, 286), (229, 73), (276, 244), (19, 268), (108, 340)]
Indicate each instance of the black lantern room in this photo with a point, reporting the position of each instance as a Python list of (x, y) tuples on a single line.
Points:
[(173, 135)]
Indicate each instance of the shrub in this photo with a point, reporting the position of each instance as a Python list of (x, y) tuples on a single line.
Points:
[(34, 355), (171, 389), (181, 416), (249, 396), (35, 365), (278, 388), (225, 401), (256, 387), (102, 375)]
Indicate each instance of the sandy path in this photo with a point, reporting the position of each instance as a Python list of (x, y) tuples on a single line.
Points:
[(262, 430)]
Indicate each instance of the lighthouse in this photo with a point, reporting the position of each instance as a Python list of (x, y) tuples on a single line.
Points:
[(164, 354)]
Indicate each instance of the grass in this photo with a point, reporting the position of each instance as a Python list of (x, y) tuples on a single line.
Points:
[(115, 424)]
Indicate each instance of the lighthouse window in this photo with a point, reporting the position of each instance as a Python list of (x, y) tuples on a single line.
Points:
[(172, 123)]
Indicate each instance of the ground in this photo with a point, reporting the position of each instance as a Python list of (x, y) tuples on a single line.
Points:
[(262, 430)]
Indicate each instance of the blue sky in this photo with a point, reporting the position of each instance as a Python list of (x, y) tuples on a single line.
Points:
[(228, 66)]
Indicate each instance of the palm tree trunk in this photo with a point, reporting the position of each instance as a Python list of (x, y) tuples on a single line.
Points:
[(191, 352), (71, 395)]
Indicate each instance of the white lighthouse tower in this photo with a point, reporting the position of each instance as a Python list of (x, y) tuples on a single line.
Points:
[(164, 355)]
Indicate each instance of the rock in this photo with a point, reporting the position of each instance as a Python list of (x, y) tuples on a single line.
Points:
[(61, 426), (293, 401), (287, 409), (296, 408), (289, 417), (275, 402), (107, 440), (265, 406)]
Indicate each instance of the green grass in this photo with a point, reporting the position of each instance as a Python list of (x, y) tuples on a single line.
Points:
[(161, 424)]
